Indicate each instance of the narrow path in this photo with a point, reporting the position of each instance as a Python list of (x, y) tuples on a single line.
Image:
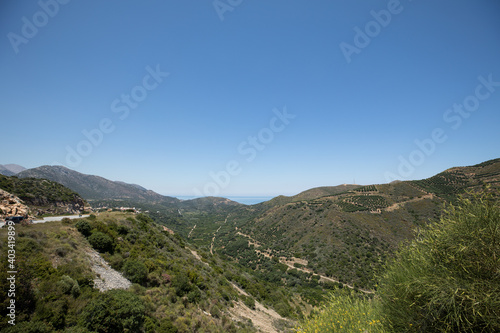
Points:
[(397, 205), (59, 218), (215, 233), (290, 263), (189, 235), (322, 277)]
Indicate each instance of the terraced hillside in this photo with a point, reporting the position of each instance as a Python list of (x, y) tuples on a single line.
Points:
[(343, 233)]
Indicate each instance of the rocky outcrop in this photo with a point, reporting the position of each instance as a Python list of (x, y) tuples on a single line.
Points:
[(41, 197), (42, 206), (10, 205)]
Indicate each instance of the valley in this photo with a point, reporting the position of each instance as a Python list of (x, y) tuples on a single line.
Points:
[(212, 262)]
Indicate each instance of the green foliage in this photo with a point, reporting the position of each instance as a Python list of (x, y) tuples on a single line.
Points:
[(84, 227), (181, 284), (135, 270), (345, 312), (249, 301), (448, 279), (369, 188), (38, 191), (166, 326), (446, 184), (369, 201), (29, 327), (114, 311), (69, 286), (101, 242), (350, 207)]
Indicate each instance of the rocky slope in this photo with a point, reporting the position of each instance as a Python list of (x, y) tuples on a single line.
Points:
[(94, 187), (10, 205), (39, 196)]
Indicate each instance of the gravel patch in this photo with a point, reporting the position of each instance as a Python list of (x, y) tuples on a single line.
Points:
[(106, 277)]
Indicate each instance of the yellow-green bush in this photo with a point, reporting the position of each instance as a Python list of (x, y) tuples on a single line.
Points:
[(448, 279), (345, 312)]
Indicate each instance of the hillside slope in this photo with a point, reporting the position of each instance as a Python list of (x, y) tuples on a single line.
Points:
[(43, 196), (175, 288), (11, 169), (94, 187), (342, 234)]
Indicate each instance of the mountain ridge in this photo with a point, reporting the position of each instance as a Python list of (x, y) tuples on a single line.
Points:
[(11, 169), (344, 235), (93, 187)]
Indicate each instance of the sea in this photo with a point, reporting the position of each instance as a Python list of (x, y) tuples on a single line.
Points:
[(246, 200)]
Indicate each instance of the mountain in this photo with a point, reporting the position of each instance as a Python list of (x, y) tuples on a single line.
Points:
[(94, 187), (40, 196), (11, 169), (219, 263), (341, 233)]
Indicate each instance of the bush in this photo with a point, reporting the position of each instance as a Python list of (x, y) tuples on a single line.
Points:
[(181, 284), (84, 227), (135, 271), (29, 327), (249, 301), (69, 286), (101, 242), (114, 311), (448, 279), (345, 312), (166, 326)]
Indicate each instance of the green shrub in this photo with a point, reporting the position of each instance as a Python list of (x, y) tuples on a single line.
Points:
[(84, 227), (101, 242), (249, 301), (345, 312), (114, 311), (166, 326), (69, 286), (29, 327), (448, 279), (181, 284), (135, 271)]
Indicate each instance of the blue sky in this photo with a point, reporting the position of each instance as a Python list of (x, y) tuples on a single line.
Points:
[(250, 97)]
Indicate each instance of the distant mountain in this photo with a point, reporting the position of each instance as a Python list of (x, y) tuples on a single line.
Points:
[(94, 187), (11, 169), (135, 185)]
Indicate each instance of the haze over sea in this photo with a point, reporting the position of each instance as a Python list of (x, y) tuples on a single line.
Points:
[(246, 200)]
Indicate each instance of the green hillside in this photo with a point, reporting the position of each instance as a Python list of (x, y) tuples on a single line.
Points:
[(43, 195), (274, 262), (445, 280), (176, 287), (343, 234)]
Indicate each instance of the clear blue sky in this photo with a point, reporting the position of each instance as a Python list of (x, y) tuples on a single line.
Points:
[(354, 83)]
